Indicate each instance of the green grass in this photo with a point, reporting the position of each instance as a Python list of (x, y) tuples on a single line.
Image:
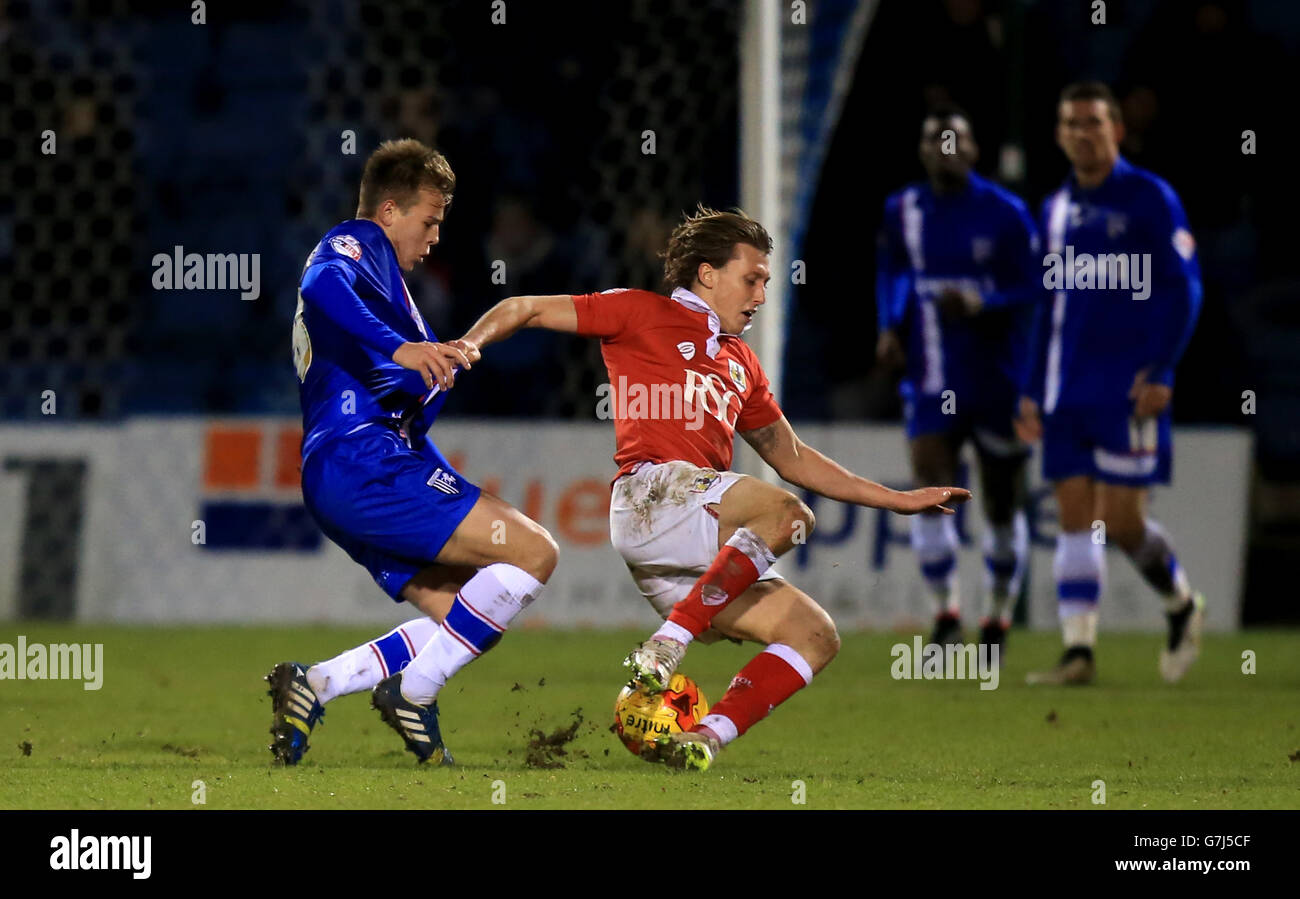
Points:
[(180, 705)]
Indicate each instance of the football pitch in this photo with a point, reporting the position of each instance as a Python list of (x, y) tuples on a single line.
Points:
[(529, 725)]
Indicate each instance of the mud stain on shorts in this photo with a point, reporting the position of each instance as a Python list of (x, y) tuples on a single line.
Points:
[(666, 486)]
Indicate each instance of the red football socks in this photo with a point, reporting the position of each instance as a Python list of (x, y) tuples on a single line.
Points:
[(730, 575), (735, 568), (771, 677)]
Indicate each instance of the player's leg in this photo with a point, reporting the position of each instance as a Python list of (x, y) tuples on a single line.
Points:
[(1002, 467), (300, 693), (513, 557), (361, 668), (1144, 541), (934, 459), (1079, 568), (397, 509), (757, 522), (800, 640)]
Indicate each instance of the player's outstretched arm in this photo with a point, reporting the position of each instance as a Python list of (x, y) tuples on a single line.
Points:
[(555, 313), (805, 467)]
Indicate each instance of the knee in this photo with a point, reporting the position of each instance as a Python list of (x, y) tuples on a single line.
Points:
[(818, 640), (541, 554), (825, 645), (798, 517)]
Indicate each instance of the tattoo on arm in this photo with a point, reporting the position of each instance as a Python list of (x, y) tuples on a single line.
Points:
[(763, 440)]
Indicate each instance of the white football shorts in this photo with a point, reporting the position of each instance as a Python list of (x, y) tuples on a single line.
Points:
[(660, 523)]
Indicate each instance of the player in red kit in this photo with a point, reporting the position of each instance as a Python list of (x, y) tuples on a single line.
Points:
[(698, 539)]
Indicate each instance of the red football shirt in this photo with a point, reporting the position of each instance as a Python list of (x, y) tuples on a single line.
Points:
[(678, 389)]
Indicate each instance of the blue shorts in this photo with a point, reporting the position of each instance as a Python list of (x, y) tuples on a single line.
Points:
[(1107, 443), (392, 508), (984, 415)]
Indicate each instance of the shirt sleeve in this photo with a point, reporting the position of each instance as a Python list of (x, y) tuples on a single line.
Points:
[(893, 272), (329, 287), (1018, 266), (761, 408), (1175, 284), (606, 314)]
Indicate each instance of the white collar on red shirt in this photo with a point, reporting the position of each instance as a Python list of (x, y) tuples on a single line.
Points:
[(691, 301)]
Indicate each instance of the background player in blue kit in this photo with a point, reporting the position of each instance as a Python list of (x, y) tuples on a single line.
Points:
[(372, 381), (1102, 375), (956, 277)]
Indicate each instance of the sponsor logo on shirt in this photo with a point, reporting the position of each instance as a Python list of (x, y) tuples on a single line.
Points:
[(444, 481), (347, 245), (708, 391)]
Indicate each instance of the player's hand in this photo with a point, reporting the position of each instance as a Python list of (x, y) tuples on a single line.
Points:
[(435, 362), (956, 304), (889, 350), (468, 347), (909, 502), (1028, 425), (1149, 400)]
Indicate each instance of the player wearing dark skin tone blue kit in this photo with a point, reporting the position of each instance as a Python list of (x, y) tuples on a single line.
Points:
[(957, 275)]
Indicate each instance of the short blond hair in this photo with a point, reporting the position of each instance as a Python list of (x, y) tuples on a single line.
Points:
[(399, 170)]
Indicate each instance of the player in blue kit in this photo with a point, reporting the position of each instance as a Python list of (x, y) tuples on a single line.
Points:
[(372, 381), (1125, 293), (957, 276)]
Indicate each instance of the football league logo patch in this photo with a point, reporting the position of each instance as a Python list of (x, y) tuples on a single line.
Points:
[(1184, 244), (703, 482), (347, 245), (444, 481), (737, 374), (687, 349)]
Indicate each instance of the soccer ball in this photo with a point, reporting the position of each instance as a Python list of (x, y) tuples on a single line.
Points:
[(641, 716)]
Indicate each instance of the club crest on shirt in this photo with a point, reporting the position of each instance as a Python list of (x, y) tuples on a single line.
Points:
[(737, 374), (687, 349), (347, 245), (1116, 224), (444, 481), (981, 248)]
